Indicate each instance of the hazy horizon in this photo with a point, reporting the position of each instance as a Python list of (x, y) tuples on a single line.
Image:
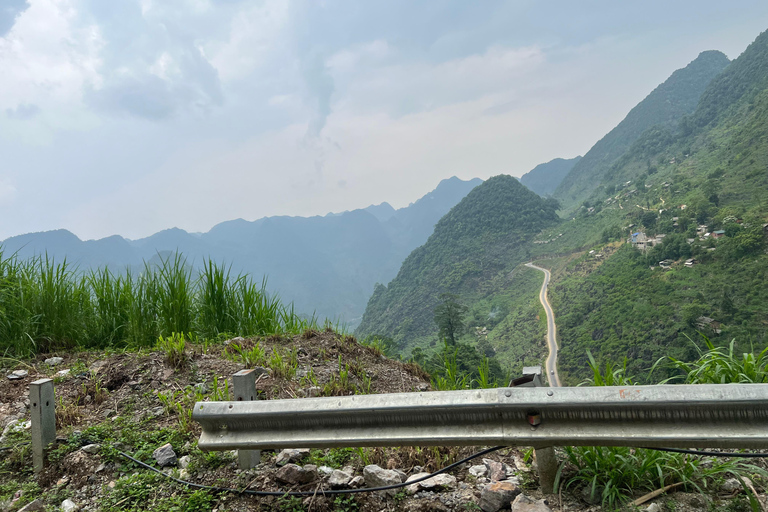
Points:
[(133, 118)]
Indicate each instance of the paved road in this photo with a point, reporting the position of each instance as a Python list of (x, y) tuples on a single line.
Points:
[(552, 376)]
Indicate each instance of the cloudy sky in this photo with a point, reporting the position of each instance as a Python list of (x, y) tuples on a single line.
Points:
[(132, 116)]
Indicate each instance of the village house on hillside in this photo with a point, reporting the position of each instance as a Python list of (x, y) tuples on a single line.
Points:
[(704, 322), (642, 242)]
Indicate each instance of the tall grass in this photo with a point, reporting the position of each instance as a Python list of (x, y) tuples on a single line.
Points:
[(720, 365), (612, 475), (47, 306)]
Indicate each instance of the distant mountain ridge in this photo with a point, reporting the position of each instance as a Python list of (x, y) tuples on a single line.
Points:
[(323, 264), (544, 178)]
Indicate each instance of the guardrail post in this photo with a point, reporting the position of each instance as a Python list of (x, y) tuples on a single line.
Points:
[(244, 385), (43, 415), (546, 460)]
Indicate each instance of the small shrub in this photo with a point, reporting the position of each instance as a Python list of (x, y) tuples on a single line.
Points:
[(173, 347)]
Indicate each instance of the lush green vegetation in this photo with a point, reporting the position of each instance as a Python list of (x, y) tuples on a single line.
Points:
[(478, 240), (474, 255), (613, 475), (47, 306)]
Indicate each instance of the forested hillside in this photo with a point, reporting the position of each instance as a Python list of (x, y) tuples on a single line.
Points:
[(470, 254)]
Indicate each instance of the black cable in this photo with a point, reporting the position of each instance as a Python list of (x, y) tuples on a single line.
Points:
[(312, 493), (6, 448), (712, 454)]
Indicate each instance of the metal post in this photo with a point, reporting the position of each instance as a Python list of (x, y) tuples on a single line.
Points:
[(43, 411), (546, 460), (244, 385)]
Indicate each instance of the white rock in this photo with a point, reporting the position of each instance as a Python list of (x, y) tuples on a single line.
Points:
[(92, 449), (53, 361), (375, 476), (63, 373), (184, 462), (291, 455), (653, 507), (69, 506), (339, 479), (437, 482), (478, 471), (414, 488), (325, 470), (18, 375)]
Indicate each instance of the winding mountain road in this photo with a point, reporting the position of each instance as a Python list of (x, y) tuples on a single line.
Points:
[(551, 365)]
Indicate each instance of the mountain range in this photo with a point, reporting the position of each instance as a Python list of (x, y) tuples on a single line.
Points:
[(326, 265)]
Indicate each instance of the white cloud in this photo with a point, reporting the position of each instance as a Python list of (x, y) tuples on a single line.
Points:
[(256, 36), (50, 59)]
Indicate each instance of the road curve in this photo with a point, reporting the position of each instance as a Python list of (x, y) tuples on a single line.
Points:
[(551, 365)]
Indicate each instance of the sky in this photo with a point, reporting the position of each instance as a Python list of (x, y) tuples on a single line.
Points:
[(132, 116)]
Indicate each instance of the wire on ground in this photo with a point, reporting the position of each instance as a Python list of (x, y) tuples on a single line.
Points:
[(404, 484)]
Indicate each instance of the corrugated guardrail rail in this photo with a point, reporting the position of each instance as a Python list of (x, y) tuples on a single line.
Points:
[(674, 416)]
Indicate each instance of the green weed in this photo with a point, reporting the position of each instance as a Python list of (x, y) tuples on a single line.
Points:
[(173, 347), (718, 365)]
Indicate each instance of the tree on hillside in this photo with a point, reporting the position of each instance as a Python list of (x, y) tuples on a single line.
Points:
[(449, 317)]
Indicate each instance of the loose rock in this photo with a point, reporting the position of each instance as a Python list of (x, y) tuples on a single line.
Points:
[(375, 476), (497, 495), (184, 462), (495, 470), (339, 479), (653, 507), (291, 455), (53, 361), (35, 506), (325, 470), (165, 456), (734, 485), (92, 449), (524, 503), (478, 471), (292, 474), (18, 375), (69, 506), (435, 483)]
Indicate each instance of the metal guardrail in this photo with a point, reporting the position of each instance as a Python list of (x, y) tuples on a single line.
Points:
[(674, 416)]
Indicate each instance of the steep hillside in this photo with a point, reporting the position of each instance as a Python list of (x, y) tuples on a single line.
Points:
[(665, 106), (324, 265), (680, 183), (544, 178), (713, 173), (470, 254)]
